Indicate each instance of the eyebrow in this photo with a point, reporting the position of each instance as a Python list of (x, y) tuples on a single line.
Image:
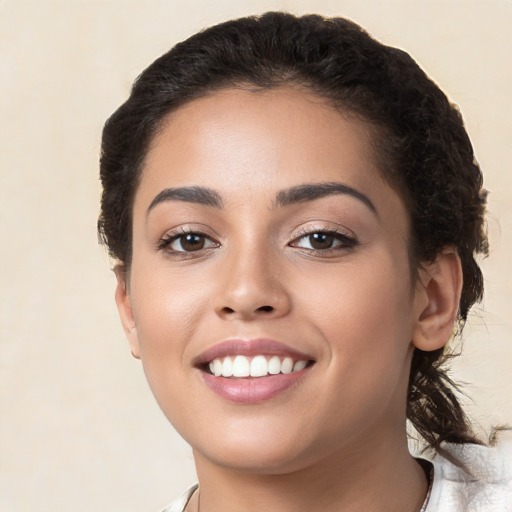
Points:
[(293, 195), (311, 192), (197, 195)]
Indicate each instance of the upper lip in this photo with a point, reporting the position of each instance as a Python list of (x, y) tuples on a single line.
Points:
[(254, 347)]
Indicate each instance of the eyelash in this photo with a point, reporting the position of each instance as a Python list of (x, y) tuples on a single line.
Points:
[(346, 242), (167, 240)]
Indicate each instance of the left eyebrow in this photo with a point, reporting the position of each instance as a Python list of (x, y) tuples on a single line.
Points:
[(197, 195), (311, 192)]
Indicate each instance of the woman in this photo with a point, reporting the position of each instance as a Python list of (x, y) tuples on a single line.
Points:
[(294, 210)]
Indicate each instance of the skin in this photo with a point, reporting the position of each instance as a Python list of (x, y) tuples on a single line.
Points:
[(336, 440)]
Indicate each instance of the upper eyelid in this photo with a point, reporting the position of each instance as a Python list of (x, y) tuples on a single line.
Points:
[(305, 231), (189, 229)]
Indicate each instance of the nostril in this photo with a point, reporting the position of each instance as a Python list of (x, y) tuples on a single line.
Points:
[(235, 312)]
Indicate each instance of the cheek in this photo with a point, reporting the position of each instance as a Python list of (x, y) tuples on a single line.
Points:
[(167, 307), (364, 317), (364, 309), (167, 310)]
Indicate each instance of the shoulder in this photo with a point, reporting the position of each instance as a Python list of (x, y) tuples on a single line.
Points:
[(482, 484), (180, 504)]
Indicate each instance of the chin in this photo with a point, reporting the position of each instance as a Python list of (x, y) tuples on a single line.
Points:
[(266, 451), (255, 460)]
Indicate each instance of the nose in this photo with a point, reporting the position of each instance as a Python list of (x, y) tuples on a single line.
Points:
[(251, 287)]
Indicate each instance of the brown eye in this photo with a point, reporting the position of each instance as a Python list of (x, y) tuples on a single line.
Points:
[(187, 242), (191, 242), (326, 241), (320, 241)]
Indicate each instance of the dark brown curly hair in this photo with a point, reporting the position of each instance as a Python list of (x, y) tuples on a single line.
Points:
[(419, 141)]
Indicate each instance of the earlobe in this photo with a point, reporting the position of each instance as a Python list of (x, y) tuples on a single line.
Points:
[(124, 307), (437, 297)]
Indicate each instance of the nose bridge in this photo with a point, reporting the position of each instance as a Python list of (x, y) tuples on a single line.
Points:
[(251, 283)]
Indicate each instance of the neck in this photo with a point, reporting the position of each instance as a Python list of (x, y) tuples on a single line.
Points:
[(378, 477)]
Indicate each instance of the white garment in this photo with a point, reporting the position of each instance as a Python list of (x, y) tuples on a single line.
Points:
[(180, 504), (486, 488)]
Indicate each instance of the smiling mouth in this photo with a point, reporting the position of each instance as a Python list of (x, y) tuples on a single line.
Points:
[(252, 371), (241, 366), (254, 379)]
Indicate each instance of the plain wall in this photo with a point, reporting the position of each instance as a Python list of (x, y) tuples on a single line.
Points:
[(80, 430)]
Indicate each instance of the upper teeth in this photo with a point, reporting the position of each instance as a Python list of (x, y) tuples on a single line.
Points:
[(257, 366)]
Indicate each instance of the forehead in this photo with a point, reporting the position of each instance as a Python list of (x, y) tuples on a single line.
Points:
[(248, 145), (244, 132)]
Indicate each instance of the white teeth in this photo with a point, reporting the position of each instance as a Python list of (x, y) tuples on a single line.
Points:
[(217, 367), (299, 365), (241, 367), (274, 365), (257, 366), (287, 365), (227, 367)]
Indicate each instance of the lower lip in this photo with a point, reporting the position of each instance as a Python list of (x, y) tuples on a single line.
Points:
[(252, 390)]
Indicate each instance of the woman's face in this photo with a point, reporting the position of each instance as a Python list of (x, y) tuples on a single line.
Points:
[(262, 229)]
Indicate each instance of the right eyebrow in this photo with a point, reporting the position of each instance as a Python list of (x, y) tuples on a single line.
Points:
[(310, 192), (197, 195)]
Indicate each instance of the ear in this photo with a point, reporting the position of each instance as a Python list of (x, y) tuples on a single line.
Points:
[(124, 307), (437, 301)]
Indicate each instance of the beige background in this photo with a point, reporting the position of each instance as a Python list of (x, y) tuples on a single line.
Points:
[(79, 429)]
